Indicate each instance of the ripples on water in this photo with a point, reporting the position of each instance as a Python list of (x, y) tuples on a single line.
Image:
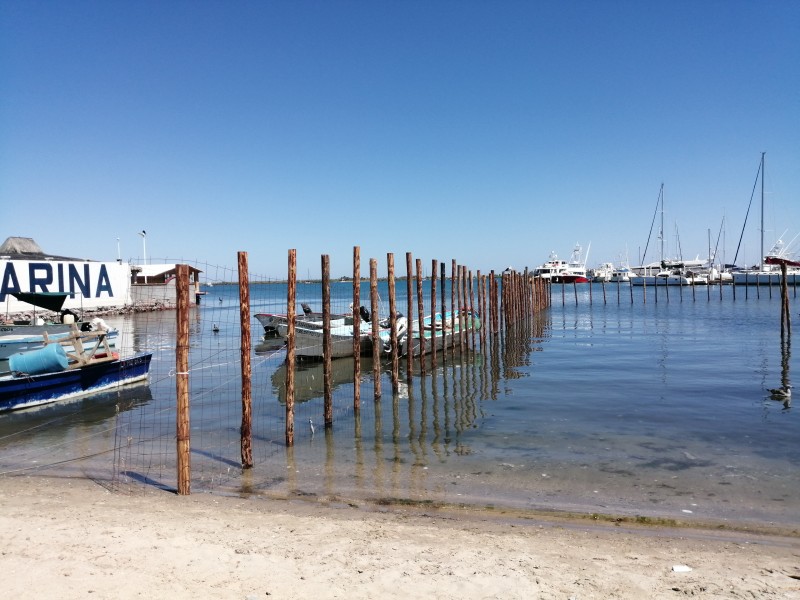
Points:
[(656, 409)]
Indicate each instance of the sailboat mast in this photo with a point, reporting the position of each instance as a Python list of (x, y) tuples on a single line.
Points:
[(761, 263), (662, 222)]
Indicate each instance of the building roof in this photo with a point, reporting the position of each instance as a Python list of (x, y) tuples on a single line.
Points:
[(23, 248), (159, 270)]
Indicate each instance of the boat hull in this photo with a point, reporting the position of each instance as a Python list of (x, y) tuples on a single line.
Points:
[(764, 278), (17, 392)]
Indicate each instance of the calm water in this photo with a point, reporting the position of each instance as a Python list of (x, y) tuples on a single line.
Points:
[(656, 409)]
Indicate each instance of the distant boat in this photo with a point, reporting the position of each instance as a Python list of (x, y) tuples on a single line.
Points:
[(561, 271), (767, 272)]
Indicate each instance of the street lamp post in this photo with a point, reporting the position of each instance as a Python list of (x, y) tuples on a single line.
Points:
[(143, 233)]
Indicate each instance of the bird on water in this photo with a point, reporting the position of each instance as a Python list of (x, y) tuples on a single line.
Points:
[(311, 427), (784, 393)]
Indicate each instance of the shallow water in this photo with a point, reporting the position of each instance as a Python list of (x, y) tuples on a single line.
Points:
[(657, 409)]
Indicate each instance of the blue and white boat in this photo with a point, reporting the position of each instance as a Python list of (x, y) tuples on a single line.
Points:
[(66, 370)]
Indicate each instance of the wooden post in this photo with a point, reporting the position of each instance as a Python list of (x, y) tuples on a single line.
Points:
[(471, 311), (444, 311), (786, 320), (247, 391), (410, 313), (393, 324), (291, 295), (182, 381), (434, 277), (453, 305), (421, 320), (479, 310), (374, 318), (327, 349), (356, 328)]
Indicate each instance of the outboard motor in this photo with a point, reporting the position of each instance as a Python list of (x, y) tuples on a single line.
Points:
[(306, 308), (362, 310)]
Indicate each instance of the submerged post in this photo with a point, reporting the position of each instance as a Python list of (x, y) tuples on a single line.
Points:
[(247, 391), (182, 381)]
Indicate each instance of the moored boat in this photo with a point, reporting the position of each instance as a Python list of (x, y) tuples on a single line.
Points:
[(439, 330), (68, 369), (308, 318), (561, 271)]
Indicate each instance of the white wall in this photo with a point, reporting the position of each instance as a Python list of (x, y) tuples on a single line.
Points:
[(94, 284)]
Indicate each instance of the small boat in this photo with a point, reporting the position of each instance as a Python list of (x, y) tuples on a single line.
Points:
[(22, 340), (36, 324), (437, 329), (271, 321), (68, 369), (309, 336)]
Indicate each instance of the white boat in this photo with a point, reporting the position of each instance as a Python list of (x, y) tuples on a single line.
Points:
[(309, 336), (310, 319), (620, 275), (561, 271), (12, 342), (767, 272), (551, 267), (439, 330), (671, 273), (602, 273)]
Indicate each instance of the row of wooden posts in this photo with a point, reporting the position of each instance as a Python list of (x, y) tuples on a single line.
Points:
[(499, 303), (665, 290)]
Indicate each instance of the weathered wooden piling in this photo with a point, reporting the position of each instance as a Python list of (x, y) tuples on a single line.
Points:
[(434, 276), (421, 321), (393, 324), (291, 298), (326, 342), (356, 328), (182, 437), (245, 432), (453, 275), (443, 275), (374, 318), (410, 318)]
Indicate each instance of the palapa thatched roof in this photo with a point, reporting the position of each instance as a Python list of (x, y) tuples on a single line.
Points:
[(23, 248)]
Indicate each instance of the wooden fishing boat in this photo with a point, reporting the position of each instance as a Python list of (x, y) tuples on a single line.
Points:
[(80, 365)]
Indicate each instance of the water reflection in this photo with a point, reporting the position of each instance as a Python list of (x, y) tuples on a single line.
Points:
[(784, 392)]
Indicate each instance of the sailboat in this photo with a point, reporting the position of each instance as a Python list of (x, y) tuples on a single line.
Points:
[(767, 273), (667, 272)]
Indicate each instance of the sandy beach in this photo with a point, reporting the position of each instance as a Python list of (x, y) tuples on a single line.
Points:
[(73, 538)]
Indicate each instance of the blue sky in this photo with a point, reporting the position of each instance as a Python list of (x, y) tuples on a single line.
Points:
[(489, 132)]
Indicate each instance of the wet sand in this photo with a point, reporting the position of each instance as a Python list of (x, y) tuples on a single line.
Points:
[(73, 538)]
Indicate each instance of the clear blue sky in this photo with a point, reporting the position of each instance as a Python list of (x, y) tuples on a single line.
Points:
[(489, 132)]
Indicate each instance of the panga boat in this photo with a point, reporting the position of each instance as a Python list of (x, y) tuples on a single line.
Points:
[(271, 322), (68, 369), (438, 330)]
